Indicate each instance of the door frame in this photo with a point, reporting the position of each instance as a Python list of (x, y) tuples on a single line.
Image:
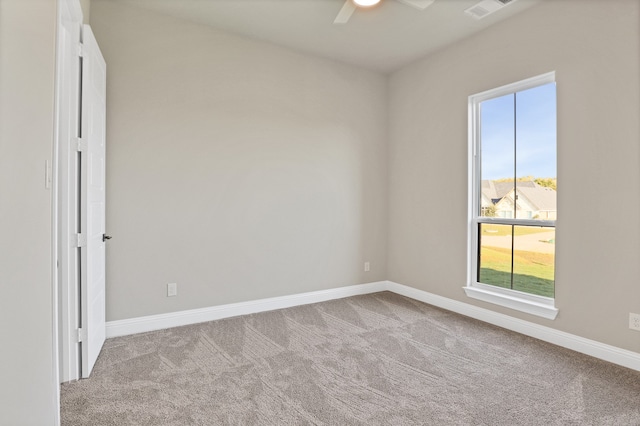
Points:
[(65, 197)]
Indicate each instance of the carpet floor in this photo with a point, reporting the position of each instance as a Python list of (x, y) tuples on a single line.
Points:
[(378, 359)]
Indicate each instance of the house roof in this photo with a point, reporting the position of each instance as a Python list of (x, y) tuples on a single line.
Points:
[(496, 190), (544, 199), (540, 197)]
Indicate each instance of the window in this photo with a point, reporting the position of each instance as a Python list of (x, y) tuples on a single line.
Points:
[(513, 184)]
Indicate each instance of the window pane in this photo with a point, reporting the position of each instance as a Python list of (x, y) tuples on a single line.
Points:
[(536, 153), (497, 156), (534, 260), (494, 264)]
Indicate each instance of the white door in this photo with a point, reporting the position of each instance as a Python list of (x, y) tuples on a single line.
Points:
[(92, 193)]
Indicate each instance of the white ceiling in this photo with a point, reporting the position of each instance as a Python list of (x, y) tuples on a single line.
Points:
[(383, 38)]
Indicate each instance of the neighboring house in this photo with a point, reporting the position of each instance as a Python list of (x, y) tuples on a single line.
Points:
[(533, 201)]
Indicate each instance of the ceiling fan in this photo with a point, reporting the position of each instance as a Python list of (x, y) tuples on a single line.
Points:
[(351, 5)]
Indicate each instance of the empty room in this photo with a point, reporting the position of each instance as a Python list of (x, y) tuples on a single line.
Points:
[(320, 212)]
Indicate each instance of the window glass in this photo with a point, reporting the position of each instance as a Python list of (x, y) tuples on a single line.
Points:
[(535, 142), (495, 255), (497, 153), (534, 260)]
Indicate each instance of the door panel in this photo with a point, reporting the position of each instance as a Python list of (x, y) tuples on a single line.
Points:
[(93, 201)]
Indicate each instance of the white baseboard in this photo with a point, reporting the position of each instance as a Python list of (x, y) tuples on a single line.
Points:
[(593, 348), (599, 350), (194, 316)]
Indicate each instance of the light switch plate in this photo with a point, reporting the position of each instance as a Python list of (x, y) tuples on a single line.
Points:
[(172, 289)]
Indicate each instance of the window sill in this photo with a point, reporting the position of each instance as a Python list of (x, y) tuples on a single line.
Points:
[(512, 302)]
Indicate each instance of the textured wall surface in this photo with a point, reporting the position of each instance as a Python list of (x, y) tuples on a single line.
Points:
[(594, 48), (238, 169), (27, 66)]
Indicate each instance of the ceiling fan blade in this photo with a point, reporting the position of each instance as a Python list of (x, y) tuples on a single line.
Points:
[(345, 13), (418, 4)]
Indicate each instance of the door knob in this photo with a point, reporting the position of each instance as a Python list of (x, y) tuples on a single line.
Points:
[(106, 237)]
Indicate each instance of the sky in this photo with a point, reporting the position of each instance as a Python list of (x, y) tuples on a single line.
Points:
[(535, 134)]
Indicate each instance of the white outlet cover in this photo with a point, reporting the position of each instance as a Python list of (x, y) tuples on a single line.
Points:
[(634, 321)]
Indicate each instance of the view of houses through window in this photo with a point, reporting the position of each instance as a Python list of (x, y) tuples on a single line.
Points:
[(517, 181)]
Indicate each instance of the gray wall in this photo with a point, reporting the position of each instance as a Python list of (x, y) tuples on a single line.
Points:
[(594, 48), (86, 10), (27, 64), (237, 169)]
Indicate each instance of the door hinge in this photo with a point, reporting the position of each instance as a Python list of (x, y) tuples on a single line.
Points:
[(81, 144), (80, 50), (82, 335), (80, 240)]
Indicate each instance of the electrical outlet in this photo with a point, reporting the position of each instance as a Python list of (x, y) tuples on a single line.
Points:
[(367, 267), (172, 289), (634, 321)]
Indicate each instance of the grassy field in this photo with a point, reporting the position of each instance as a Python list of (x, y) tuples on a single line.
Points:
[(532, 272)]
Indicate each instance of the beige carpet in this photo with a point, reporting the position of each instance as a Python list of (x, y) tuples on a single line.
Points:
[(378, 359)]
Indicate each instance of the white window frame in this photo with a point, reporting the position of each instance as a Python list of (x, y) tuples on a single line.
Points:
[(524, 302)]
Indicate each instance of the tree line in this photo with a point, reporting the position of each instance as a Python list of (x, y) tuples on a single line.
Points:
[(546, 182)]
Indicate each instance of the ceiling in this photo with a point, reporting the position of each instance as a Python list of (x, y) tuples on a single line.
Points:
[(382, 38)]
